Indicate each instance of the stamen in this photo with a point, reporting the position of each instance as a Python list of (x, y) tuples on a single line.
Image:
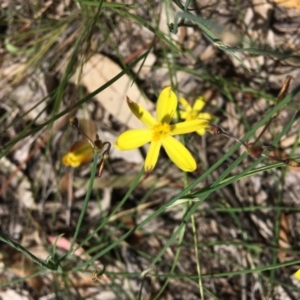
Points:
[(160, 131)]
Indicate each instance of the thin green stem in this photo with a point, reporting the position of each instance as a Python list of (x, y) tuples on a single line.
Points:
[(23, 250), (196, 245), (85, 203), (106, 220), (176, 258)]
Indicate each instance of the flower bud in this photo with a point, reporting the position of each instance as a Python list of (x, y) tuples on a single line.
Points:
[(79, 154)]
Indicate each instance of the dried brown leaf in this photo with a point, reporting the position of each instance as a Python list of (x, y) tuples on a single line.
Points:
[(283, 237), (64, 183), (124, 181), (97, 71)]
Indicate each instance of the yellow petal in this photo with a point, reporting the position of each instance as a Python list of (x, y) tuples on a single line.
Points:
[(205, 116), (80, 153), (166, 105), (188, 126), (133, 138), (179, 154), (183, 114), (152, 156), (297, 275), (199, 104), (142, 114), (187, 107), (201, 131)]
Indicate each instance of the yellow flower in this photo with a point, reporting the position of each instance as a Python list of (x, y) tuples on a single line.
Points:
[(192, 113), (80, 153), (159, 132), (297, 275)]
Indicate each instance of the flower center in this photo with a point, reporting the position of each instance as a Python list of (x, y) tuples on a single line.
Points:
[(160, 131)]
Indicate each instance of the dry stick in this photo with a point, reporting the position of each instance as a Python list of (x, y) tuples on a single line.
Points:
[(105, 156), (136, 53), (253, 148), (281, 95), (97, 145)]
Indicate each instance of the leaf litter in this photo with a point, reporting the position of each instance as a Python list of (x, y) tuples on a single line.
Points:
[(226, 245)]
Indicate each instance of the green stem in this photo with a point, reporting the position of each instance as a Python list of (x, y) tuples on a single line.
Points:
[(194, 229), (85, 203), (32, 257)]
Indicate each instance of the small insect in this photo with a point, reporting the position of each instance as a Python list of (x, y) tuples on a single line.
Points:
[(99, 276), (255, 149), (97, 145), (96, 277)]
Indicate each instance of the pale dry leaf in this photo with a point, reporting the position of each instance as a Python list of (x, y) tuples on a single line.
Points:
[(289, 141), (20, 184), (28, 94), (39, 250), (114, 181), (123, 181), (288, 3), (258, 18), (186, 84), (144, 67), (8, 72), (62, 7), (97, 71), (10, 294), (208, 53), (22, 266)]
